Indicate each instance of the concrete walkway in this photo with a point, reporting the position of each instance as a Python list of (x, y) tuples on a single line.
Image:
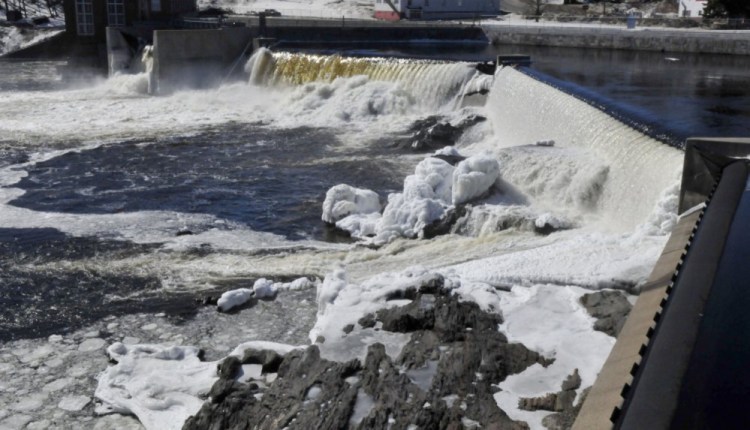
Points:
[(606, 395)]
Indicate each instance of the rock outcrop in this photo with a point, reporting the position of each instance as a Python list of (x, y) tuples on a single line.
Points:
[(445, 375), (610, 308), (434, 132)]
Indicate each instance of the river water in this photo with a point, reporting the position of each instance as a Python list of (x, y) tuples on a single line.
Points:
[(116, 204)]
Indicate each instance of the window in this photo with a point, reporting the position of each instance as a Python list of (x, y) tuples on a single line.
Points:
[(155, 5), (84, 18), (115, 13)]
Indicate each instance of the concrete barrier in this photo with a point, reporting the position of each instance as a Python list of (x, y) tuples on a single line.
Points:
[(196, 58)]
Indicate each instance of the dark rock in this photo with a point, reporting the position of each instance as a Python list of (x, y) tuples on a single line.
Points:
[(455, 350), (209, 301), (290, 401), (450, 159), (445, 223), (183, 232), (367, 321), (270, 360), (348, 328), (412, 317), (544, 403), (228, 367), (610, 308), (431, 284), (433, 132), (560, 402), (564, 420), (572, 382), (221, 389)]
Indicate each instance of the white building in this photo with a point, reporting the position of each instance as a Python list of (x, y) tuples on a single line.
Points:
[(393, 10), (691, 8)]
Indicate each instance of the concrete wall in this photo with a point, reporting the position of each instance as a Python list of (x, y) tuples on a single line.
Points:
[(308, 31), (196, 58), (713, 42)]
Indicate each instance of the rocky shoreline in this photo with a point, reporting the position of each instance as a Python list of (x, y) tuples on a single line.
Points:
[(444, 378)]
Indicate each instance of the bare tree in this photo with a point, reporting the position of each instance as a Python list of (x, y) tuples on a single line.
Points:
[(537, 7)]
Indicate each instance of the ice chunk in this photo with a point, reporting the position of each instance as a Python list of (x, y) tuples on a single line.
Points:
[(448, 151), (233, 298), (91, 344), (437, 174), (343, 200), (473, 177), (264, 288), (297, 284), (360, 226), (74, 403)]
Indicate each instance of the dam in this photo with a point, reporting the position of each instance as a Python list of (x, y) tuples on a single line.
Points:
[(196, 192)]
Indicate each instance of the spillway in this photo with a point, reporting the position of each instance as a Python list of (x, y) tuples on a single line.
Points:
[(524, 110), (430, 81)]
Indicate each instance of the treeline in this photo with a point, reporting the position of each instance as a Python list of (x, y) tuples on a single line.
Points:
[(727, 9)]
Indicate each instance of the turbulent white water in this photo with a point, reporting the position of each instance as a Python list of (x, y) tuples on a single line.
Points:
[(610, 187), (598, 151)]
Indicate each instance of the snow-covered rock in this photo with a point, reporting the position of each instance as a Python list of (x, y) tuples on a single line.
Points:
[(359, 225), (448, 151), (424, 200), (265, 289), (343, 200), (473, 177), (232, 299)]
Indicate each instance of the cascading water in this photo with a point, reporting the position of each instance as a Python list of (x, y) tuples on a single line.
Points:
[(638, 168), (433, 83)]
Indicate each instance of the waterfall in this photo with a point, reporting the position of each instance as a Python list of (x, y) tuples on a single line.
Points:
[(434, 83), (524, 111)]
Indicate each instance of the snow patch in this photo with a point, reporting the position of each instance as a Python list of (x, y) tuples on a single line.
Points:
[(161, 385), (549, 320)]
